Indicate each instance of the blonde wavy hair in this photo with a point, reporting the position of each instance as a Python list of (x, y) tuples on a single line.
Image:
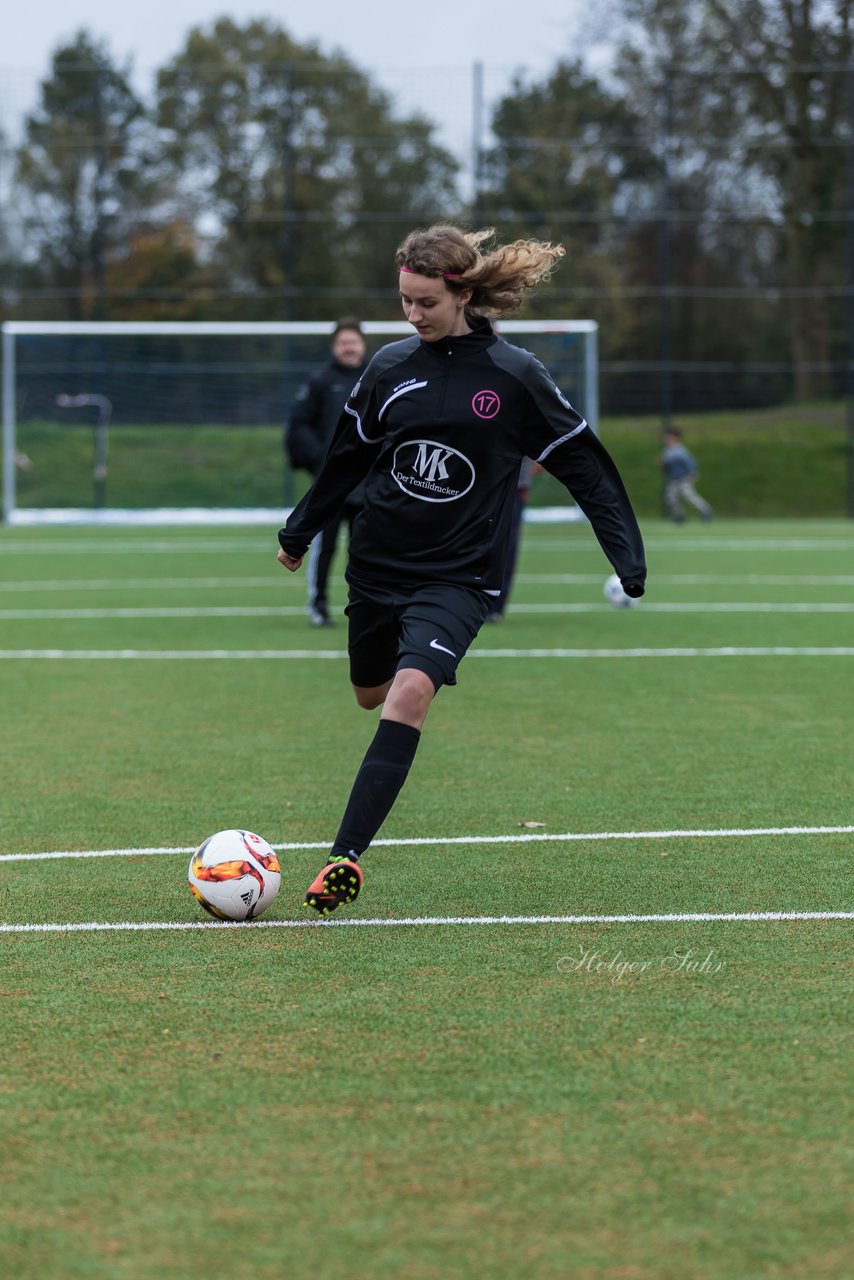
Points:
[(499, 278)]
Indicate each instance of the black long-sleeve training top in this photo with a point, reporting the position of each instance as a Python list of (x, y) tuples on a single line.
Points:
[(440, 429)]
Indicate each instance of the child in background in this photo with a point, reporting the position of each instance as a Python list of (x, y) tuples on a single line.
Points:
[(680, 473)]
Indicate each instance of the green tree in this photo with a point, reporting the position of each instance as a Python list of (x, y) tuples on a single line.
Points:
[(565, 135), (625, 172), (571, 162), (80, 171), (296, 166), (157, 275), (6, 251), (764, 107)]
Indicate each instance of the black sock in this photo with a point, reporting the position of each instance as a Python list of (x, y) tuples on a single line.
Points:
[(378, 782)]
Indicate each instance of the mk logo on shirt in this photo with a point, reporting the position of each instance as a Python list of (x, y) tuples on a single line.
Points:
[(432, 472)]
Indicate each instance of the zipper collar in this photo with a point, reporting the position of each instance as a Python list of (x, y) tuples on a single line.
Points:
[(482, 335)]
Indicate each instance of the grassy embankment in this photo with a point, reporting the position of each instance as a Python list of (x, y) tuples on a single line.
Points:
[(785, 461)]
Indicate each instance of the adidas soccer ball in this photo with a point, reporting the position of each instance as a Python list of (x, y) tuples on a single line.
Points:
[(235, 875), (615, 595)]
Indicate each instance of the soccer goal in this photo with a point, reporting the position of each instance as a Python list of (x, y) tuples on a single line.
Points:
[(166, 422)]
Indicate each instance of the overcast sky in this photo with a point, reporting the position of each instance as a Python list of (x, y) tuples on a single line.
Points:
[(422, 54)]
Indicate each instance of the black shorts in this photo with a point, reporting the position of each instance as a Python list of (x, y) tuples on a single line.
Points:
[(425, 627)]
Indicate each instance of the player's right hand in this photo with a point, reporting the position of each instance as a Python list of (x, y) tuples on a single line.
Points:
[(292, 563)]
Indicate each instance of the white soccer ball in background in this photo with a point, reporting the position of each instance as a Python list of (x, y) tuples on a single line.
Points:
[(235, 875), (615, 595)]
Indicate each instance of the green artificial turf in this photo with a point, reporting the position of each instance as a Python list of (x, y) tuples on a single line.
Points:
[(607, 1100)]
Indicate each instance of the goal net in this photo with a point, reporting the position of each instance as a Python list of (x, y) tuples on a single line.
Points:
[(180, 422)]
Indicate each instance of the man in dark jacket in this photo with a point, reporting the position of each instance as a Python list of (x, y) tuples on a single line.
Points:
[(315, 414)]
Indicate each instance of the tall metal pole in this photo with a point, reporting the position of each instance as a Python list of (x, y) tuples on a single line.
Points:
[(288, 257), (477, 140), (666, 255), (288, 246), (8, 423), (849, 307), (591, 378), (101, 169)]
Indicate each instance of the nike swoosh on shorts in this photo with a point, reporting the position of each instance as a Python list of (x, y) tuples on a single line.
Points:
[(434, 644)]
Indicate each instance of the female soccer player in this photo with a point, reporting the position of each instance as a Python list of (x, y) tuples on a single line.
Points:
[(438, 426)]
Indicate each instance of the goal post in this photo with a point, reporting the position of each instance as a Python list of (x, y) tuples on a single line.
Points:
[(144, 422)]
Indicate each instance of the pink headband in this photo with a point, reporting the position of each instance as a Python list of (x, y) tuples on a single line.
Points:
[(446, 275)]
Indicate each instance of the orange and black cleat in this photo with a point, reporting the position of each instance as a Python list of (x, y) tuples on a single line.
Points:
[(338, 882)]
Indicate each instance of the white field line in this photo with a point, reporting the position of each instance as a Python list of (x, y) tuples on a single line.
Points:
[(680, 917), (279, 580), (167, 611), (526, 837), (138, 546), (693, 606), (220, 655), (274, 581), (239, 545), (293, 611), (659, 542), (168, 655), (705, 579)]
